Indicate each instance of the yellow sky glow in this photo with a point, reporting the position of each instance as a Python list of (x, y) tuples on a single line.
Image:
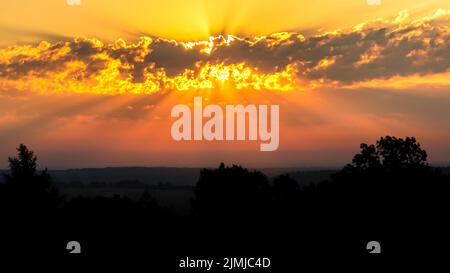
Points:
[(25, 20)]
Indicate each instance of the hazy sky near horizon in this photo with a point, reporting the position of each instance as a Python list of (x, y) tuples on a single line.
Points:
[(93, 85)]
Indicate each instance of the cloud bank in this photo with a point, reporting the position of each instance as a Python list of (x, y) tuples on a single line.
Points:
[(383, 49)]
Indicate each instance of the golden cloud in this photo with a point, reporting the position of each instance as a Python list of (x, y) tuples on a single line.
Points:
[(282, 61)]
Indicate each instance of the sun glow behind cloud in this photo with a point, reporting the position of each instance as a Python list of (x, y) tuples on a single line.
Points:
[(380, 49), (106, 101)]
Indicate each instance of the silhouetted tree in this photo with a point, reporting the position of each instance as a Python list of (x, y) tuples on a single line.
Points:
[(384, 180), (391, 161), (231, 191), (390, 154), (25, 187)]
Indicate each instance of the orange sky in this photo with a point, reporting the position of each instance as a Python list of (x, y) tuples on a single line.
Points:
[(80, 87)]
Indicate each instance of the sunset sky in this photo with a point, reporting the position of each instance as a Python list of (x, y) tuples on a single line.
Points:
[(93, 85)]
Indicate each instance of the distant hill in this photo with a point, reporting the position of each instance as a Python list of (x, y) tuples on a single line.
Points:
[(306, 178), (161, 175), (146, 175), (174, 176), (445, 170)]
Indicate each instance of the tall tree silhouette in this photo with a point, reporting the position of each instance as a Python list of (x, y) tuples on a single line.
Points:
[(391, 154), (384, 180), (25, 187)]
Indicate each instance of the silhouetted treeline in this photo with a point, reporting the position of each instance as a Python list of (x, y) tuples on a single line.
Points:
[(383, 177), (26, 190), (387, 187)]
